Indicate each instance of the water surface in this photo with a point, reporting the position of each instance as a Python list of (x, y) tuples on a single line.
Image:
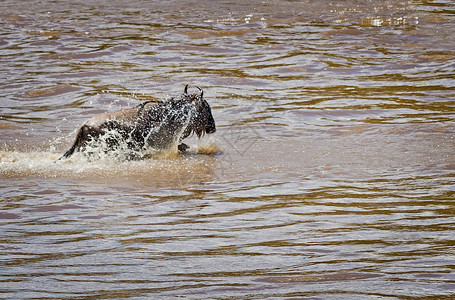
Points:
[(336, 125)]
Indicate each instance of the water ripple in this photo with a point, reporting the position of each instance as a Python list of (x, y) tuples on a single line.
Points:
[(336, 176)]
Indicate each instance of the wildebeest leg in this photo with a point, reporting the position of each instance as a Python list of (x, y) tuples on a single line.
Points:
[(81, 138), (183, 147)]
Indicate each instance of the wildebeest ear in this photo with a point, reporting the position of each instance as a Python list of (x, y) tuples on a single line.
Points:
[(185, 91)]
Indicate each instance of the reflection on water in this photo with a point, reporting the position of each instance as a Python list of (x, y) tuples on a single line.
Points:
[(336, 176)]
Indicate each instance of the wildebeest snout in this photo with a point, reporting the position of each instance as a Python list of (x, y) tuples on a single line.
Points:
[(211, 128)]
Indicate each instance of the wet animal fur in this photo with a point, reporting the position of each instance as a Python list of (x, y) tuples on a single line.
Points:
[(155, 124)]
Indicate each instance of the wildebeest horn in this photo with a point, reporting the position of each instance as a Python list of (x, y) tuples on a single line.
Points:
[(185, 91), (202, 92)]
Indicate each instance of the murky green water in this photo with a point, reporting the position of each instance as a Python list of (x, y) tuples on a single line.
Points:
[(337, 177)]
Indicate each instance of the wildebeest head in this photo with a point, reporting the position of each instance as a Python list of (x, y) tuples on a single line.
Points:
[(203, 121)]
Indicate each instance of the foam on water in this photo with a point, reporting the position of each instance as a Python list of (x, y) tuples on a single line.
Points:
[(154, 168)]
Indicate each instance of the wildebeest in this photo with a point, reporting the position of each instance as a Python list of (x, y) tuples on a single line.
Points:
[(157, 125)]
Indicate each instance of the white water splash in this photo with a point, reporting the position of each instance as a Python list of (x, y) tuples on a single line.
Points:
[(155, 168)]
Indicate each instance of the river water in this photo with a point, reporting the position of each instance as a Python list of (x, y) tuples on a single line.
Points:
[(336, 124)]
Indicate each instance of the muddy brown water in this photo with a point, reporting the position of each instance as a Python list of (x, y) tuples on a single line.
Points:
[(336, 125)]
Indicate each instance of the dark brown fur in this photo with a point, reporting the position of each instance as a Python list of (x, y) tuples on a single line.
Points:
[(155, 124)]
